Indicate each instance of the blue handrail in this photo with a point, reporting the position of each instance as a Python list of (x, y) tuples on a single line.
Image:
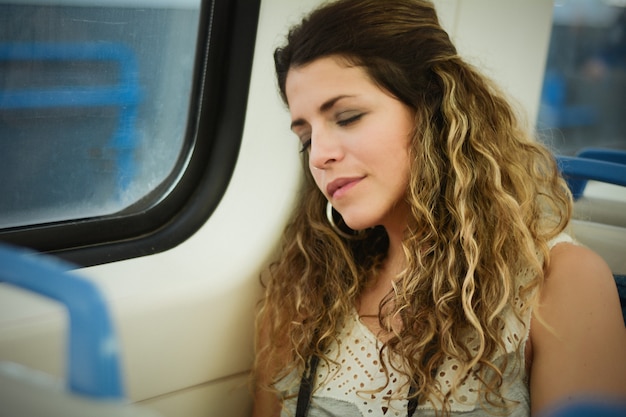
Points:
[(93, 363), (577, 170), (602, 154)]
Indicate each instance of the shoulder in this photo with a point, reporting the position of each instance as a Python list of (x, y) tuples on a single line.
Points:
[(577, 277), (578, 268), (577, 332), (578, 289)]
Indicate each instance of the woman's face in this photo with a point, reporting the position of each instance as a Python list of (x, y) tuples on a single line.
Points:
[(358, 138)]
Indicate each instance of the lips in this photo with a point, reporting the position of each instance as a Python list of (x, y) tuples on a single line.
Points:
[(341, 184)]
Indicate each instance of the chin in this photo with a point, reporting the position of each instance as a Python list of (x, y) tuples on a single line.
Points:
[(361, 218), (358, 224)]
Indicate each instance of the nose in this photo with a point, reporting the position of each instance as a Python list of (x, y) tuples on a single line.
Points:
[(325, 149)]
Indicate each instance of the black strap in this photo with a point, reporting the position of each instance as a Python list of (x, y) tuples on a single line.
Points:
[(413, 400), (306, 387)]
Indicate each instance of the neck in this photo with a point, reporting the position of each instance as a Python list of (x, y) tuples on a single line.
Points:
[(395, 225), (395, 254), (381, 284)]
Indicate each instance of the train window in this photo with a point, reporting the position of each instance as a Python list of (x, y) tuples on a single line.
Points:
[(112, 116), (584, 90)]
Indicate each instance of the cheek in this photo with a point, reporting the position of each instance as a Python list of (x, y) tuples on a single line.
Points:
[(408, 164), (317, 177), (401, 167), (407, 174)]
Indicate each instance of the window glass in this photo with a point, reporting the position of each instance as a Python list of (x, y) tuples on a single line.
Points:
[(584, 91), (94, 103)]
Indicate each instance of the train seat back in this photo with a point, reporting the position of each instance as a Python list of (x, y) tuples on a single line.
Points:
[(94, 381)]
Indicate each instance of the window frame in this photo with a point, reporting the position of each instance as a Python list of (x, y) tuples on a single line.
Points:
[(185, 200)]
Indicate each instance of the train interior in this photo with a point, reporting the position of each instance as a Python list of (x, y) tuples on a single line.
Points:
[(129, 282)]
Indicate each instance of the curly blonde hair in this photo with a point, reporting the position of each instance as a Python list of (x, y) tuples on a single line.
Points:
[(485, 199)]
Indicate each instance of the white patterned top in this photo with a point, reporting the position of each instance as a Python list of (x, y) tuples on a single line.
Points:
[(356, 384)]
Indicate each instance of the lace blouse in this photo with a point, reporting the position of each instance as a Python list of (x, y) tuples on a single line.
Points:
[(358, 386)]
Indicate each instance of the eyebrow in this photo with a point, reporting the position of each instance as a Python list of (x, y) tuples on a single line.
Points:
[(327, 105)]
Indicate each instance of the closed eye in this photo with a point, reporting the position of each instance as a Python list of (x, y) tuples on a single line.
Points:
[(349, 120)]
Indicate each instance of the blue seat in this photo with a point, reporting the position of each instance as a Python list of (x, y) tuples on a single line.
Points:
[(589, 409), (620, 280), (94, 379)]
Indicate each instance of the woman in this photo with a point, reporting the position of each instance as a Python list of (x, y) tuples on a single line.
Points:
[(425, 270)]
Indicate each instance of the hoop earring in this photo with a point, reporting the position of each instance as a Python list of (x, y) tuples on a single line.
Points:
[(344, 232)]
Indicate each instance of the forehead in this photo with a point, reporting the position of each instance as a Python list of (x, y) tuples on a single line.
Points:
[(325, 76)]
